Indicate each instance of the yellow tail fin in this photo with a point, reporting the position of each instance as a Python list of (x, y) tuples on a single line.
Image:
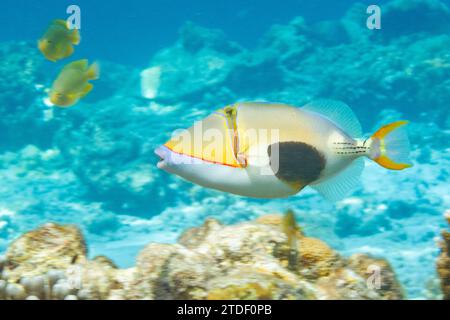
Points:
[(75, 37), (390, 146), (93, 73)]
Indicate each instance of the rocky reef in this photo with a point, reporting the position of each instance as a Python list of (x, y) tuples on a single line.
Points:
[(296, 62), (443, 262), (243, 261)]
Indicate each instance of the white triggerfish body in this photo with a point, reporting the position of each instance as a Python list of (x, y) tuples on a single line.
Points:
[(266, 150)]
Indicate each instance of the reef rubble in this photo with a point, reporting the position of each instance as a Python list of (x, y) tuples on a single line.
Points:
[(443, 261), (248, 260)]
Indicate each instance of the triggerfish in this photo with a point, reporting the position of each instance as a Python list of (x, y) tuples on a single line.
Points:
[(57, 42), (72, 83), (266, 150)]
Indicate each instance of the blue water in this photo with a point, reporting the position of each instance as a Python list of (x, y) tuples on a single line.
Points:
[(93, 164), (129, 32)]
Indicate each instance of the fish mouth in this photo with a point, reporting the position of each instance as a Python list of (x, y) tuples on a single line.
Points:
[(169, 160), (162, 152)]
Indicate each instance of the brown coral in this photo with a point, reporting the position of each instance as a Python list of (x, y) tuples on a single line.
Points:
[(369, 267), (250, 285), (48, 247), (317, 259), (213, 261), (443, 262)]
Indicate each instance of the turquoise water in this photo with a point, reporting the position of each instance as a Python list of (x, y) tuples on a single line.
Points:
[(93, 164)]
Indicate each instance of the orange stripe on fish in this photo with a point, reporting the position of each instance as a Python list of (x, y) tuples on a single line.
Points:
[(389, 164), (383, 131)]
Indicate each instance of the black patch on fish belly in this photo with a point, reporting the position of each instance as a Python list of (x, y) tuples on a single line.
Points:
[(299, 163)]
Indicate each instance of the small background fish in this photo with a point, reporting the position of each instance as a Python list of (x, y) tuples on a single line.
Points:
[(72, 83), (57, 42), (293, 233)]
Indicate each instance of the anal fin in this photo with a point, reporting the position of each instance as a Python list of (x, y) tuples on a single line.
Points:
[(338, 186)]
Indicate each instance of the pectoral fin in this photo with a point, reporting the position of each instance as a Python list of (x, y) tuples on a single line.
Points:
[(69, 51), (88, 88)]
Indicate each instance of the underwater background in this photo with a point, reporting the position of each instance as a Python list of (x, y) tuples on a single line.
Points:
[(93, 164)]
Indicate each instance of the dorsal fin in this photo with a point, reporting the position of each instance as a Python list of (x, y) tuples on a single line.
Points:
[(79, 65), (60, 22), (339, 113)]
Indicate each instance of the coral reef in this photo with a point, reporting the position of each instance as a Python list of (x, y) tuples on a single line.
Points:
[(434, 17), (49, 247), (50, 263), (296, 62), (22, 75), (213, 261), (443, 262)]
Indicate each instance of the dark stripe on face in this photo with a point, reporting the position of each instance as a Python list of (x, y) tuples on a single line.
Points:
[(297, 163)]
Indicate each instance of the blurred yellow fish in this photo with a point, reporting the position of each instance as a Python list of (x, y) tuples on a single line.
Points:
[(72, 83), (292, 231), (57, 42)]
